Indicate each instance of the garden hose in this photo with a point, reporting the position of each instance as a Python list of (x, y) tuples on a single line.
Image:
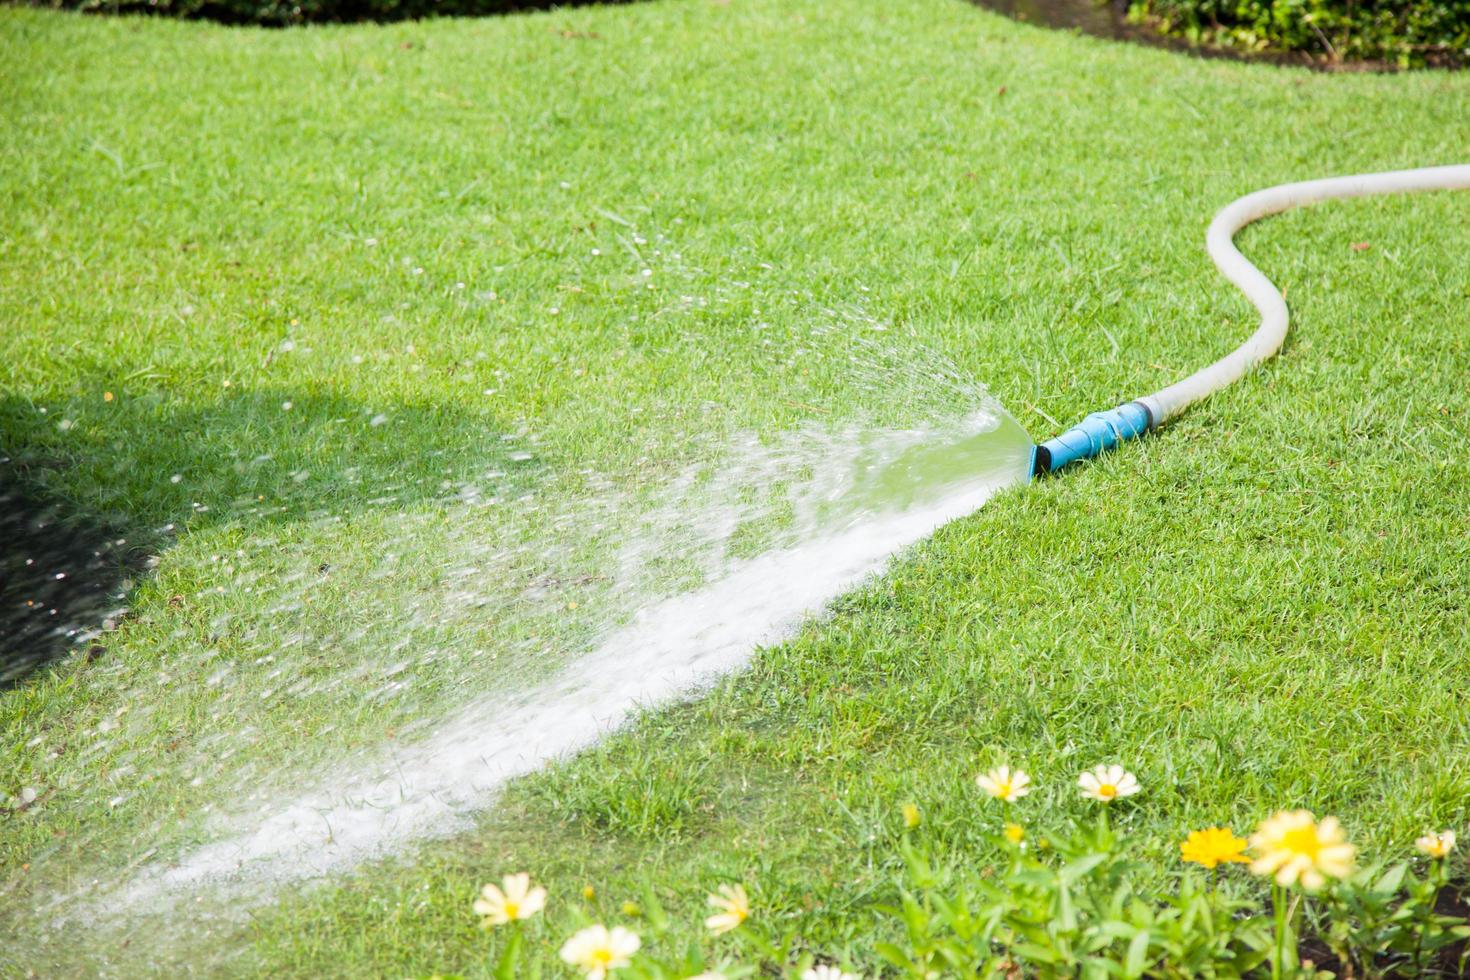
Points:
[(1102, 431)]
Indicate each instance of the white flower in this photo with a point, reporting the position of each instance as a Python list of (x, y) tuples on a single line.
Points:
[(597, 950), (825, 972), (733, 907), (1005, 785), (1108, 783), (1436, 845), (515, 900)]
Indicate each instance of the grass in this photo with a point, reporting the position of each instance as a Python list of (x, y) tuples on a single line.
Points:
[(1263, 606)]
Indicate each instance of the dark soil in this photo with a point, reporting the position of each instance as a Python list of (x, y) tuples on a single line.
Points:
[(1448, 962)]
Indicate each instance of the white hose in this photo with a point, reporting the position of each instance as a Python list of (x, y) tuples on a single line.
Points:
[(1267, 339)]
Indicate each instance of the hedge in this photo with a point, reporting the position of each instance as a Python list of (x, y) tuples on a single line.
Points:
[(1407, 33)]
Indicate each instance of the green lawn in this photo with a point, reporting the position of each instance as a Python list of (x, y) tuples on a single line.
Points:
[(429, 240)]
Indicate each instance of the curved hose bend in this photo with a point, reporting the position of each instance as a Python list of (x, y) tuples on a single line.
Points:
[(1161, 406)]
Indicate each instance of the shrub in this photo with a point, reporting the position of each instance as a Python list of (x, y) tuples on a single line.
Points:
[(1403, 32)]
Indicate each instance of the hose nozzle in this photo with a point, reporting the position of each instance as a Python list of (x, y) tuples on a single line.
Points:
[(1094, 435)]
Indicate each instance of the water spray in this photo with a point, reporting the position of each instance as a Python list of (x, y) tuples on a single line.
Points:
[(1101, 431), (854, 497)]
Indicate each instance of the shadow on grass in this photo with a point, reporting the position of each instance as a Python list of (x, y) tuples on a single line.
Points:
[(61, 574), (289, 13), (86, 500)]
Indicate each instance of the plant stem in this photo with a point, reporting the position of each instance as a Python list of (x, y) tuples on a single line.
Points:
[(1278, 901), (1437, 878)]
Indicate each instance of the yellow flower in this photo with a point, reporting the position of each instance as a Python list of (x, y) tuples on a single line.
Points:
[(1293, 847), (1437, 845), (598, 950), (1108, 783), (733, 907), (910, 816), (1003, 784), (1015, 833), (631, 910), (515, 900), (588, 892), (1212, 847)]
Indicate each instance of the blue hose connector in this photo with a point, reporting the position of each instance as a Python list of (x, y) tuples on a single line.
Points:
[(1094, 435)]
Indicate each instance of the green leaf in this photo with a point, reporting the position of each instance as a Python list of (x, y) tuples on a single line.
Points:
[(510, 957), (1066, 912), (1033, 877), (1037, 953), (1080, 867), (1137, 957), (653, 910), (894, 955), (1096, 967), (1389, 882), (919, 868), (1114, 929)]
